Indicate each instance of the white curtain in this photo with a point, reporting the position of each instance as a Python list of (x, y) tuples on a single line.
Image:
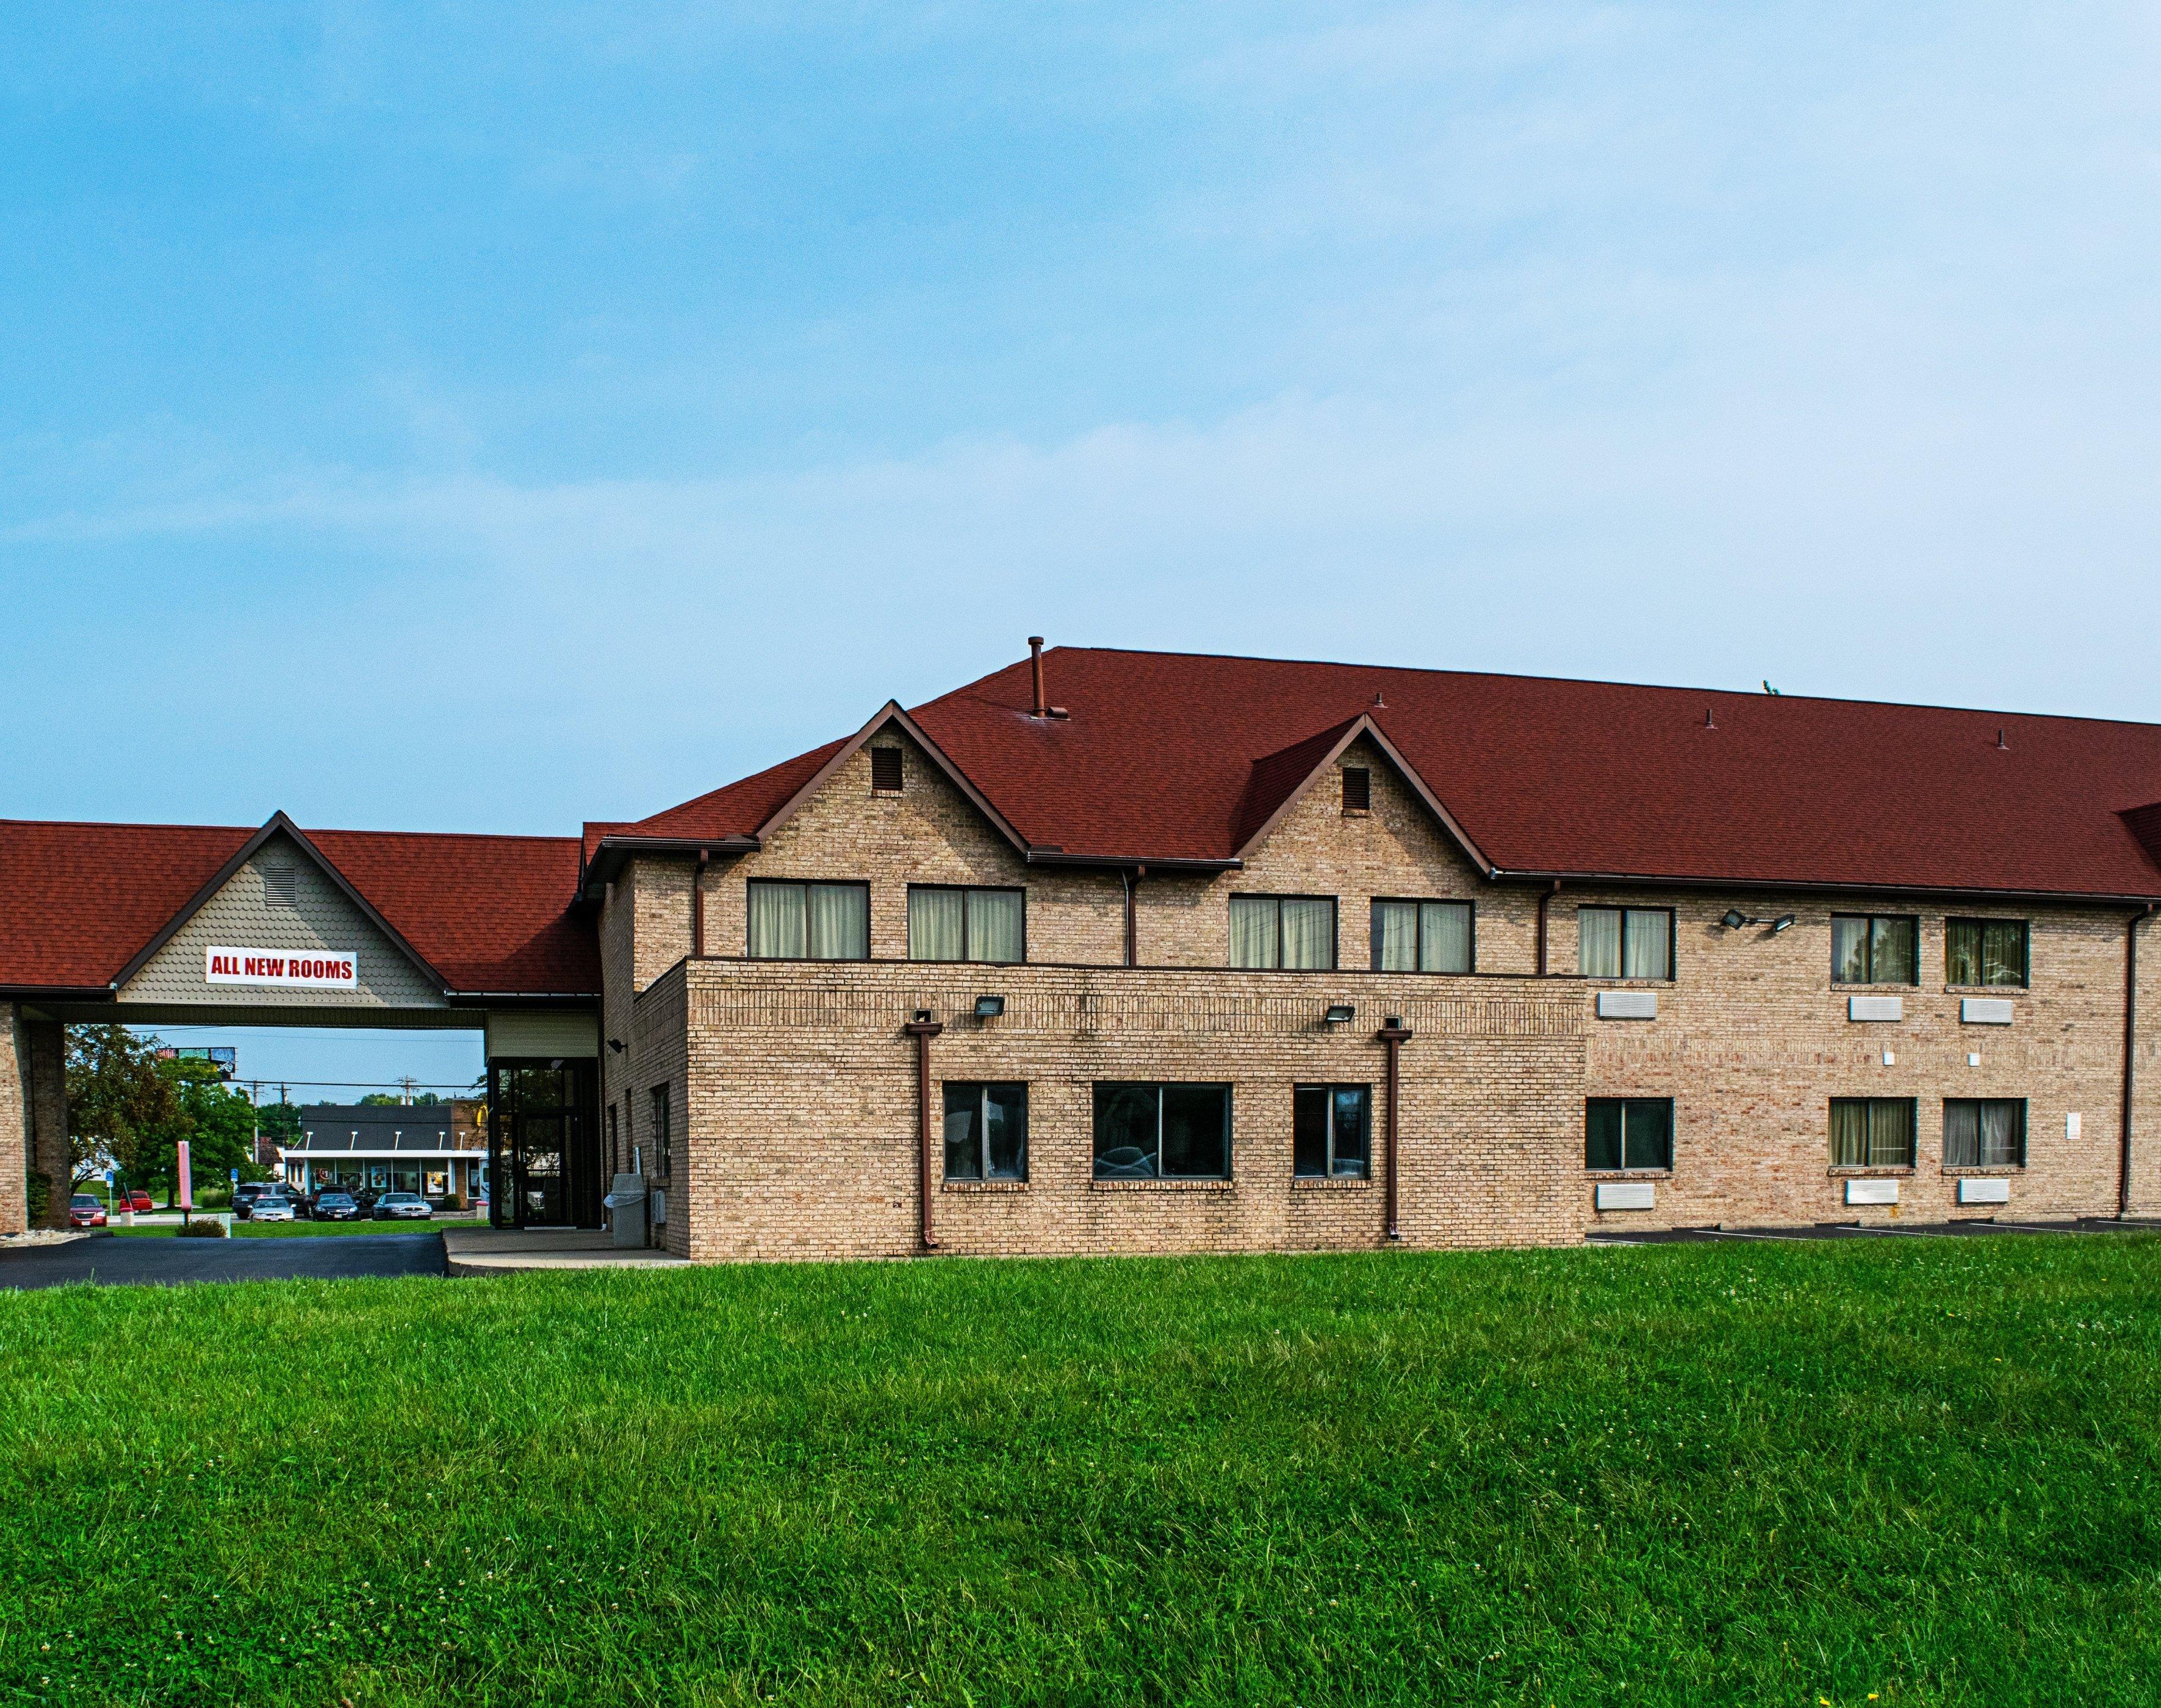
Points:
[(1961, 1135), (1395, 936), (1648, 941), (840, 922), (936, 920), (1253, 930), (776, 921), (1598, 942), (1999, 1135), (1308, 934), (1444, 937), (996, 927)]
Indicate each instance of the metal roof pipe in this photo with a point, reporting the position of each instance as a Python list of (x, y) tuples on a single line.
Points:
[(1035, 665)]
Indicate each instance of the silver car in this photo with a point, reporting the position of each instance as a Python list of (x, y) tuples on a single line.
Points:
[(271, 1207), (396, 1207)]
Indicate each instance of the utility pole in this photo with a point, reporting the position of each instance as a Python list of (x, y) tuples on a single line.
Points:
[(405, 1084)]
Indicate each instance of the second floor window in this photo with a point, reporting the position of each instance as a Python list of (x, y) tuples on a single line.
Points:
[(1166, 1133), (1985, 951), (1874, 948), (794, 921), (1984, 1132), (1624, 942), (1871, 1132), (1422, 937), (986, 1132), (947, 922), (1288, 931), (1331, 1131)]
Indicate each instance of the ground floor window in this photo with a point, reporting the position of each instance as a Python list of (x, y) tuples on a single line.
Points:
[(1628, 1132), (1984, 1132), (1162, 1132), (1331, 1131), (1871, 1132), (663, 1145), (986, 1131)]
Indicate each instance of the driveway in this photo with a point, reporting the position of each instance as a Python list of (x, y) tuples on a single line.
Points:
[(165, 1262)]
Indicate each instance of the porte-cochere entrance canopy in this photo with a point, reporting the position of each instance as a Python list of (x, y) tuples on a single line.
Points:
[(160, 924)]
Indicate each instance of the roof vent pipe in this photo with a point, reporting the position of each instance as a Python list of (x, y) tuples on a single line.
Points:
[(1035, 665), (1999, 738)]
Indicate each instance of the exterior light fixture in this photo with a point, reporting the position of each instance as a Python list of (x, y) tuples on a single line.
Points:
[(1735, 919), (1340, 1014), (1781, 923), (988, 1007), (617, 1045)]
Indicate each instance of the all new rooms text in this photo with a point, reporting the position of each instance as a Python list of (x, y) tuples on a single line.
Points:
[(324, 969)]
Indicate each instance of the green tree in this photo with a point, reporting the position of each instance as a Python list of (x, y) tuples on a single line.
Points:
[(120, 1101), (216, 1119)]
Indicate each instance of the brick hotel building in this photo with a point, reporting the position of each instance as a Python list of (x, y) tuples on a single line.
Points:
[(1121, 951)]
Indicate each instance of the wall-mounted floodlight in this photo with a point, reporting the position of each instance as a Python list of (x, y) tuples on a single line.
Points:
[(989, 1007), (1340, 1014), (1782, 922), (1735, 919)]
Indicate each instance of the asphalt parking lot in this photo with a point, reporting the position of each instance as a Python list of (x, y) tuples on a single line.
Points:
[(1974, 1228), (167, 1262)]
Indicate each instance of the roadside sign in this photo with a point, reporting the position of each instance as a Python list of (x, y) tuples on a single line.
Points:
[(187, 1178)]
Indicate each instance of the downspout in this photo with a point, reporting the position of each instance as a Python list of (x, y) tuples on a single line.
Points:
[(698, 905), (922, 1028), (2130, 1054), (1394, 1034), (1131, 880), (1544, 897)]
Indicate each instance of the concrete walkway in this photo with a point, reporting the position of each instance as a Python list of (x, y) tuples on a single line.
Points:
[(503, 1251)]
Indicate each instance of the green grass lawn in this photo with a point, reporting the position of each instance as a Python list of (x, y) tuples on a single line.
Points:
[(1898, 1472), (305, 1230)]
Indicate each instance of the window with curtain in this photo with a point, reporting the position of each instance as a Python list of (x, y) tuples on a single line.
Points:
[(1874, 948), (1871, 1132), (663, 1149), (1162, 1132), (1624, 942), (790, 920), (1628, 1132), (1984, 1132), (986, 1132), (1421, 936), (1331, 1132), (1985, 951), (1296, 932), (954, 922)]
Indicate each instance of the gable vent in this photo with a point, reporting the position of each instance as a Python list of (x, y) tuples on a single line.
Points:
[(281, 886), (886, 770), (1357, 790)]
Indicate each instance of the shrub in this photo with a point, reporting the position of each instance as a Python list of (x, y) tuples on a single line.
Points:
[(204, 1228)]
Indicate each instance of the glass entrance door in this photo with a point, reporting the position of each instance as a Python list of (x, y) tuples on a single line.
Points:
[(543, 1151)]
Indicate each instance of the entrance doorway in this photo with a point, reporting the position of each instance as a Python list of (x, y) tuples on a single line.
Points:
[(543, 1143)]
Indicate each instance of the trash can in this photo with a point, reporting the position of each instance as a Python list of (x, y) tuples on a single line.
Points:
[(625, 1204)]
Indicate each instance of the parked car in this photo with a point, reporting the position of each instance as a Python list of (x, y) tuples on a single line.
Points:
[(135, 1202), (271, 1207), (398, 1206), (333, 1206), (245, 1196), (85, 1211)]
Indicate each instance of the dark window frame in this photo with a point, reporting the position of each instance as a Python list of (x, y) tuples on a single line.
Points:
[(1418, 950), (1365, 773), (1912, 920), (1592, 1104), (1329, 1170), (1912, 1108), (1977, 1104), (2025, 979), (1335, 929), (658, 1098), (1625, 909), (983, 1089), (1101, 1087), (966, 959), (806, 884)]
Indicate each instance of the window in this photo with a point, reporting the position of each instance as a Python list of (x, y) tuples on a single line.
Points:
[(1873, 949), (1628, 1132), (1624, 942), (1422, 937), (1171, 1132), (1331, 1131), (1985, 951), (886, 770), (663, 1149), (791, 921), (986, 1132), (1357, 790), (947, 922), (1871, 1132), (1984, 1132), (1293, 932)]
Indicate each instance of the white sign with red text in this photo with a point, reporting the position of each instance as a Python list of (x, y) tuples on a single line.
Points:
[(287, 968)]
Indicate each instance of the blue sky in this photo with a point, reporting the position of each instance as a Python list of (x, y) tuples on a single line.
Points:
[(492, 416)]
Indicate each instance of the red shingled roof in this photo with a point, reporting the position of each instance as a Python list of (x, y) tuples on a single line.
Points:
[(1170, 756), (490, 913)]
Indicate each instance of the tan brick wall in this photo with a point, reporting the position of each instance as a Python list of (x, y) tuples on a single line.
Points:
[(803, 1143), (49, 1119), (658, 1051), (14, 1121)]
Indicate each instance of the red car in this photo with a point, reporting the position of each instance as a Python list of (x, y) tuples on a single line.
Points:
[(85, 1211), (137, 1201)]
